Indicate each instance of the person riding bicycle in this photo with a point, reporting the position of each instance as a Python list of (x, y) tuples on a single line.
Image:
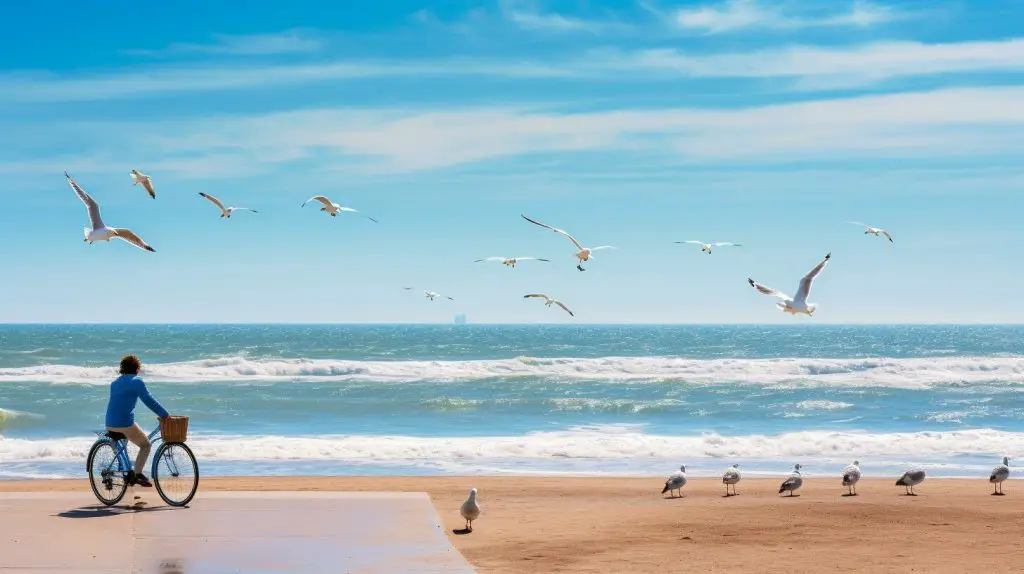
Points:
[(125, 391)]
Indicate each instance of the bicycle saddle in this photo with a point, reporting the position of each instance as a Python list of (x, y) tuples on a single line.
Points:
[(113, 435)]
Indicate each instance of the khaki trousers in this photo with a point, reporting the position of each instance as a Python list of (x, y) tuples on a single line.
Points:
[(139, 438)]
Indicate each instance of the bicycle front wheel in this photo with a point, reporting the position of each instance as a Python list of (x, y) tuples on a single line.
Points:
[(175, 473), (105, 474)]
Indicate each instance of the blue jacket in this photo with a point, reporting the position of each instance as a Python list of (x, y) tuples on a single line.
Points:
[(125, 392)]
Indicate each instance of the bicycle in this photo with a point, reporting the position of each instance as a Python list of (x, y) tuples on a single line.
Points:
[(111, 471)]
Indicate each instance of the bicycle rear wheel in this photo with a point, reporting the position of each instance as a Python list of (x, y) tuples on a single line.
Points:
[(106, 477), (175, 473)]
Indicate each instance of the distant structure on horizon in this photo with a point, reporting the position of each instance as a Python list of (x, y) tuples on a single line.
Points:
[(460, 319)]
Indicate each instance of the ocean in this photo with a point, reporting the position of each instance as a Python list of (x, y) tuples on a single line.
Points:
[(493, 399)]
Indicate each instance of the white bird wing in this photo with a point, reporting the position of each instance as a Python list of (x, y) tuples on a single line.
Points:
[(692, 241), (539, 295), (340, 208), (490, 259), (726, 244), (805, 283), (556, 230), (529, 259), (212, 200), (865, 225), (767, 290), (147, 182), (90, 205), (887, 236), (562, 305), (599, 247), (320, 198), (127, 235), (244, 209)]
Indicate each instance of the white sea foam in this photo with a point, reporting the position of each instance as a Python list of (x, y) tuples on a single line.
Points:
[(823, 405), (896, 373), (612, 443)]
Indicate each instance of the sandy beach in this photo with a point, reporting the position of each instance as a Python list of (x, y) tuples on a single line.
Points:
[(556, 524)]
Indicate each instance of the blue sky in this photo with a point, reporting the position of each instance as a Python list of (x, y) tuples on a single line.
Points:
[(631, 123)]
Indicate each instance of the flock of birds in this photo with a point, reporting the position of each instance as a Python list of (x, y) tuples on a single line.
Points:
[(796, 304), (470, 509), (851, 476)]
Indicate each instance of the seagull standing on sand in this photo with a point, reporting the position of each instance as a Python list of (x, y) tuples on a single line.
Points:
[(798, 304), (146, 181), (731, 476), (793, 483), (676, 481), (333, 208), (876, 231), (99, 231), (910, 479), (548, 301), (431, 295), (510, 261), (851, 474), (470, 510), (224, 211), (999, 474), (584, 254), (706, 247)]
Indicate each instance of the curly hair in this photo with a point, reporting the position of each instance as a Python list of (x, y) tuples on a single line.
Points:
[(130, 365)]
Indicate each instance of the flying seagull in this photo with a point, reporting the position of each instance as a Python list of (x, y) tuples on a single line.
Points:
[(910, 479), (793, 483), (511, 261), (851, 474), (430, 294), (548, 301), (146, 181), (224, 211), (675, 482), (706, 247), (798, 304), (876, 231), (333, 208), (99, 231), (999, 474), (584, 254), (470, 510), (731, 476)]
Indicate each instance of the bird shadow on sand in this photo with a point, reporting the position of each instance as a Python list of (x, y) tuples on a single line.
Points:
[(461, 531), (847, 495), (98, 511), (680, 497)]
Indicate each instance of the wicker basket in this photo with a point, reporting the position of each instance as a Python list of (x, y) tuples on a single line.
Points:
[(174, 429)]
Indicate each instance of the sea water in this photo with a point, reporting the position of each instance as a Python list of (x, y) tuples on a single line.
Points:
[(491, 399)]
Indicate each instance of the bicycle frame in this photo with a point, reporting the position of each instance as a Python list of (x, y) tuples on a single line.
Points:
[(125, 464)]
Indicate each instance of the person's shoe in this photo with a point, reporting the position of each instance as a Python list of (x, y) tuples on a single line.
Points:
[(141, 480)]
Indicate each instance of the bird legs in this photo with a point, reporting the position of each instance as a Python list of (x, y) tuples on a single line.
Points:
[(910, 490), (733, 490), (851, 490), (997, 489), (469, 525)]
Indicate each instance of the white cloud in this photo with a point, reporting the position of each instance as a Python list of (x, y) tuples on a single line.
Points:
[(812, 67), (287, 42), (527, 16), (731, 15), (962, 123), (847, 65)]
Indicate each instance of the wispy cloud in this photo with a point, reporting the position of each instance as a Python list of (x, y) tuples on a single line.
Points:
[(962, 123), (846, 65), (287, 42), (731, 15), (525, 14), (803, 67)]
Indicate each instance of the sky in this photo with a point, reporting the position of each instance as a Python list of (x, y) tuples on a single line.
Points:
[(632, 123)]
